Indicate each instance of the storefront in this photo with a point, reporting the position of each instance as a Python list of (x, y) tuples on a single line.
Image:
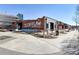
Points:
[(40, 24)]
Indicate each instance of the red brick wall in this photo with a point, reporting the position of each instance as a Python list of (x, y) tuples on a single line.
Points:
[(35, 24)]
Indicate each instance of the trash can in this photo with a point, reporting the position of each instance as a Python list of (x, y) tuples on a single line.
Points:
[(57, 32)]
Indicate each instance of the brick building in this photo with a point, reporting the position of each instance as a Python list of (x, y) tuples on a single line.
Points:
[(39, 24)]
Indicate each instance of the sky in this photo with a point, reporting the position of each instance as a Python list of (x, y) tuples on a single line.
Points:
[(61, 12)]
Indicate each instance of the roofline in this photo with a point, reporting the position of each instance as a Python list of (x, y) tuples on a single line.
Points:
[(56, 20), (8, 15)]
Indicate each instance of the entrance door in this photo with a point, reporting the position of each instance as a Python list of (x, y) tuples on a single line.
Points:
[(19, 25), (51, 26)]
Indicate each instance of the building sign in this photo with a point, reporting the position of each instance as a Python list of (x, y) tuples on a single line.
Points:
[(34, 24)]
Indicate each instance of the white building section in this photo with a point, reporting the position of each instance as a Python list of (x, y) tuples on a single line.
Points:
[(6, 20), (51, 24)]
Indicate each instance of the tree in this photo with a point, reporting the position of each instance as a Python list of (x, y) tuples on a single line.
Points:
[(76, 18)]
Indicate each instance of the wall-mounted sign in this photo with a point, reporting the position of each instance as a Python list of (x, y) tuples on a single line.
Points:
[(34, 24)]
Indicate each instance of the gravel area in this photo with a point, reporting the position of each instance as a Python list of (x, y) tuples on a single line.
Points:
[(28, 44), (70, 47)]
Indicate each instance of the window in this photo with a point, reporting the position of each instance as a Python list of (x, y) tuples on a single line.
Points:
[(47, 25)]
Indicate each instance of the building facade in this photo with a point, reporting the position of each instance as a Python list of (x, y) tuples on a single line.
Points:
[(20, 16), (41, 24), (6, 21)]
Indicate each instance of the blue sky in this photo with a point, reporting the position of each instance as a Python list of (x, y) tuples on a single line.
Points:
[(61, 12)]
